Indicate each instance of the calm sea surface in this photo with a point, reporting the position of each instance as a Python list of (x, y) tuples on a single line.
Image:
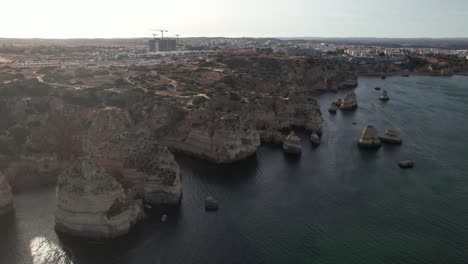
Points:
[(337, 204)]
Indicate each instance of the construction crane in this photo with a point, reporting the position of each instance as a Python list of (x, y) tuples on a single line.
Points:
[(177, 36), (162, 32), (155, 35)]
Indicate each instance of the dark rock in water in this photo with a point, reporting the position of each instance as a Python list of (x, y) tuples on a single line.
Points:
[(369, 138), (354, 123), (391, 137), (377, 88), (406, 164), (292, 144), (333, 108), (384, 96), (349, 103), (315, 139), (383, 77), (211, 204)]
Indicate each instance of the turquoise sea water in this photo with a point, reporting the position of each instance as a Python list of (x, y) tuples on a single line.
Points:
[(336, 204)]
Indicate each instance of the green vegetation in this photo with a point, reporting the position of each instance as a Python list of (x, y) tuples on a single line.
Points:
[(82, 73)]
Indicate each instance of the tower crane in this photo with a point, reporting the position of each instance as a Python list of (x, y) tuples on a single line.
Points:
[(162, 32)]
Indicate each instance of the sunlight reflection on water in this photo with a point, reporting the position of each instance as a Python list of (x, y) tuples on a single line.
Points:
[(44, 251)]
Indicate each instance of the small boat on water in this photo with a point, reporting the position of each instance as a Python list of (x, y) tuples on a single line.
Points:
[(377, 88), (383, 77), (405, 75)]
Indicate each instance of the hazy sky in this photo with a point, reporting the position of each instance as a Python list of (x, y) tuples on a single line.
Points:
[(234, 18)]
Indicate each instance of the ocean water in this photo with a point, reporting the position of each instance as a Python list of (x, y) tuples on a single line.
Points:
[(336, 204)]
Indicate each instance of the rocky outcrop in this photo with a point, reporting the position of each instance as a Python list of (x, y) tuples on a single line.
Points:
[(391, 137), (225, 139), (105, 124), (384, 96), (292, 144), (335, 105), (140, 162), (91, 203), (369, 138), (272, 136), (6, 197), (349, 103), (406, 164), (211, 204), (315, 139)]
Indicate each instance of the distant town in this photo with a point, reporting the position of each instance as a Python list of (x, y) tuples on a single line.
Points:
[(89, 52)]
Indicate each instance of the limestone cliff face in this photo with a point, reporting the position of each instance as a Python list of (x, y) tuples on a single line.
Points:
[(6, 197), (143, 164), (91, 203), (349, 102), (105, 124), (223, 139), (278, 113)]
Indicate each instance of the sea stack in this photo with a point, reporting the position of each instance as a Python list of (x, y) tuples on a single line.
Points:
[(384, 96), (91, 203), (349, 103), (369, 138), (391, 137), (138, 158), (211, 204), (6, 197), (335, 105), (406, 164), (292, 144), (315, 139)]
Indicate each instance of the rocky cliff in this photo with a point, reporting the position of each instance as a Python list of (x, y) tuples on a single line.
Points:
[(221, 139), (138, 161), (91, 203)]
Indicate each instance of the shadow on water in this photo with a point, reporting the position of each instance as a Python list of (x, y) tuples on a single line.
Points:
[(8, 237), (233, 173)]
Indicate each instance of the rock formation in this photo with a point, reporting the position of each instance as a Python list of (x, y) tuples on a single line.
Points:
[(315, 139), (369, 138), (391, 137), (6, 197), (91, 203), (335, 105), (292, 144), (225, 139), (149, 168), (384, 96), (406, 164), (211, 204), (105, 124), (349, 102)]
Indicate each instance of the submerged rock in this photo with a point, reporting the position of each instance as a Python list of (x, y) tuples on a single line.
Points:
[(315, 139), (384, 96), (406, 164), (91, 203), (211, 204), (349, 102), (6, 197), (391, 137), (369, 138), (292, 144)]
